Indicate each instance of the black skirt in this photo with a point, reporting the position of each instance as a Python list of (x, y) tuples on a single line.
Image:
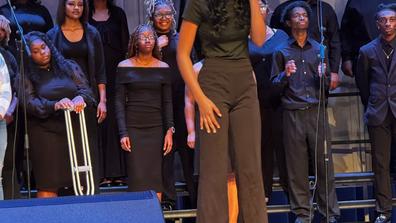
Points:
[(144, 162)]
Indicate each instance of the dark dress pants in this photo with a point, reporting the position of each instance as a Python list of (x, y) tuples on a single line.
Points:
[(381, 140), (299, 137), (231, 86)]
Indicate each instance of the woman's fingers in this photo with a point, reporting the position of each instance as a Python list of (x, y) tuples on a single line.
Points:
[(126, 144), (208, 113), (167, 145), (191, 144), (206, 124)]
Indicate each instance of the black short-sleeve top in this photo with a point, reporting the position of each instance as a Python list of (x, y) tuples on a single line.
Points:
[(230, 43)]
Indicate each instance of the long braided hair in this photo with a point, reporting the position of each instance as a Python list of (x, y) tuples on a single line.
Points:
[(151, 6), (133, 45), (219, 17)]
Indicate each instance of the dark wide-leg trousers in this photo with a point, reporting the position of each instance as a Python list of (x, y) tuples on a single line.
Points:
[(381, 140), (231, 86), (299, 137)]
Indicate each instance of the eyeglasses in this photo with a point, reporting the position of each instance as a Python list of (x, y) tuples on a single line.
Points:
[(163, 16), (384, 20), (146, 38)]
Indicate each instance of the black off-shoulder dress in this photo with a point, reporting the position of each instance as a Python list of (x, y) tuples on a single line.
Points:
[(144, 113)]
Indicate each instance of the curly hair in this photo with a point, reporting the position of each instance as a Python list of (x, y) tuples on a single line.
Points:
[(5, 24), (383, 7), (219, 17), (133, 45), (151, 7), (59, 65), (286, 13)]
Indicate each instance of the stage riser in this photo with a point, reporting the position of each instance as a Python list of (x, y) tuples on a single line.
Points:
[(120, 208)]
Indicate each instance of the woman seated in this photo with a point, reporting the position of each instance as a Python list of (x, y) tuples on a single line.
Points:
[(144, 111), (53, 84)]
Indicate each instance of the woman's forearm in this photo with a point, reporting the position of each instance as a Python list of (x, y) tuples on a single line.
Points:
[(13, 104), (189, 111), (257, 24), (102, 92), (186, 40)]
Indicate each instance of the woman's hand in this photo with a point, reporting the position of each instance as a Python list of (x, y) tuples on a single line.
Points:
[(207, 110), (101, 111), (79, 104), (191, 140), (64, 104), (9, 118), (168, 142), (163, 41), (126, 143)]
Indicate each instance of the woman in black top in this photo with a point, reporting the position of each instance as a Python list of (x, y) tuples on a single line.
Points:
[(81, 42), (162, 16), (111, 22), (52, 85), (144, 111), (226, 95), (31, 15)]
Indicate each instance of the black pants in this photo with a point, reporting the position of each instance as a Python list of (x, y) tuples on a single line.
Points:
[(231, 86), (381, 140), (299, 137), (272, 147)]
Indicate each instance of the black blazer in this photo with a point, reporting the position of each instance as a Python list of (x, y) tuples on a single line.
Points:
[(96, 62), (376, 83)]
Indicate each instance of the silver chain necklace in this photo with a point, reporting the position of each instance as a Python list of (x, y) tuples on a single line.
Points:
[(388, 55)]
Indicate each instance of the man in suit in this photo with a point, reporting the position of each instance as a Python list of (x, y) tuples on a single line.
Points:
[(376, 81), (357, 29)]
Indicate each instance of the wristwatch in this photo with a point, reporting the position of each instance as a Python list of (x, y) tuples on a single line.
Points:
[(172, 129)]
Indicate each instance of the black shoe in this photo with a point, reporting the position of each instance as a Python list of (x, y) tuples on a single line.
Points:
[(167, 206), (332, 219), (382, 219), (105, 183), (302, 220)]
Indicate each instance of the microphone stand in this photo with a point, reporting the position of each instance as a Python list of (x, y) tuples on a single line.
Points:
[(23, 47), (323, 97)]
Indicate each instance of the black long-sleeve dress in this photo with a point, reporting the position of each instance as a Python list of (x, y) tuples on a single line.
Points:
[(115, 35), (144, 113), (47, 129)]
